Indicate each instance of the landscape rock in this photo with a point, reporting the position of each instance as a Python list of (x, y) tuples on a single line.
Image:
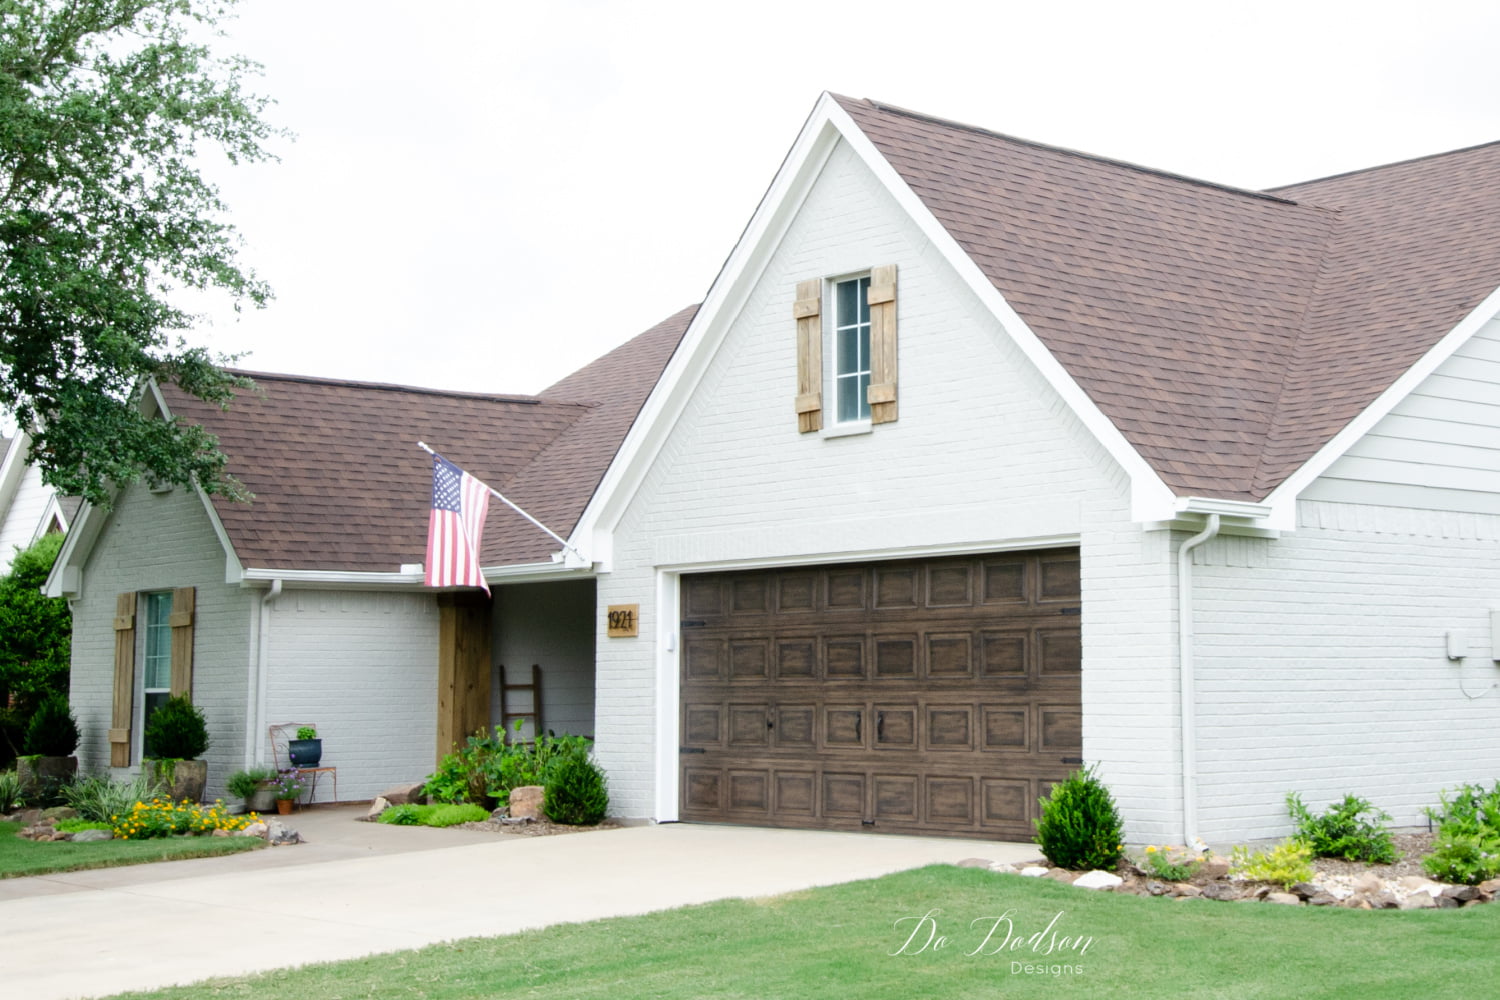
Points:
[(401, 795), (1419, 901), (1001, 866), (1462, 893), (1416, 883), (279, 834), (1157, 888), (253, 830), (60, 812), (1357, 902), (378, 806), (1322, 898), (1186, 890), (1304, 890), (1384, 900), (1447, 903), (1222, 891), (1284, 898), (526, 801), (1214, 867), (1033, 871), (1097, 879), (974, 863), (28, 817), (220, 833), (1369, 883), (1491, 886), (92, 836)]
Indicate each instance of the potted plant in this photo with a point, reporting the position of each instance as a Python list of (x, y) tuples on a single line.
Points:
[(287, 787), (254, 786), (306, 750), (176, 737), (51, 738)]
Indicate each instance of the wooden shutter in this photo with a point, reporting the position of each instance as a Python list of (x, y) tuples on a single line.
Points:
[(124, 700), (883, 344), (183, 599), (808, 310)]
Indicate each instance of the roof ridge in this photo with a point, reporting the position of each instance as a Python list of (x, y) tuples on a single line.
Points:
[(1387, 166), (392, 387), (1067, 151)]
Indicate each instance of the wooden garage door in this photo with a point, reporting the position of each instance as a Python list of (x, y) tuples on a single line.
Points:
[(926, 696)]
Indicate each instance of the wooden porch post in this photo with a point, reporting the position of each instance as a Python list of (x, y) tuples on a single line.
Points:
[(463, 668)]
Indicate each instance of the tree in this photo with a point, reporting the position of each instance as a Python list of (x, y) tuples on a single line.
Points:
[(105, 107), (35, 638)]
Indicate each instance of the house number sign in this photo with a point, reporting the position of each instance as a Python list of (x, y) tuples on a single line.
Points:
[(624, 620)]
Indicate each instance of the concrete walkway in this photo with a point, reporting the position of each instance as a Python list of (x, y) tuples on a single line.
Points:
[(357, 890)]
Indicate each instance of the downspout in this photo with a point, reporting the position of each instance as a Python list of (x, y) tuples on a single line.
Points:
[(258, 681), (1185, 669)]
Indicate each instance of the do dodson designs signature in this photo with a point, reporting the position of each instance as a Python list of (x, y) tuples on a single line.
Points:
[(988, 936)]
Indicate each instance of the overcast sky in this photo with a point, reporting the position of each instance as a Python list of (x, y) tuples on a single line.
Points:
[(486, 196)]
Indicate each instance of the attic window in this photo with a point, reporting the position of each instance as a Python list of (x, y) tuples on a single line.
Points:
[(851, 350), (861, 335)]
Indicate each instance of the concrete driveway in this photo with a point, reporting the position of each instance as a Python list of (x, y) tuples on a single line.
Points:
[(358, 889)]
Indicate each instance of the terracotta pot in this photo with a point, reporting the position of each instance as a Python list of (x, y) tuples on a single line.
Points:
[(284, 806)]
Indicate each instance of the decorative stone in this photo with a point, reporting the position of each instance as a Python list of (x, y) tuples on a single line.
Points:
[(1097, 879), (516, 820), (1222, 891), (1369, 883), (1356, 902), (1475, 902), (91, 836), (380, 805), (1186, 890), (28, 817), (1416, 883), (973, 863), (1061, 875), (253, 830), (1491, 886), (1033, 871), (1462, 893), (60, 812), (1284, 898), (220, 833), (1419, 901), (526, 801), (279, 834), (1385, 900), (1001, 866), (1213, 867), (1154, 888), (1447, 903), (400, 795)]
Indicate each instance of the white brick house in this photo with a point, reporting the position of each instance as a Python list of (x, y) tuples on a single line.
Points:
[(981, 459)]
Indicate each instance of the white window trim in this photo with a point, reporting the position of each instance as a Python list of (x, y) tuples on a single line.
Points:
[(143, 609)]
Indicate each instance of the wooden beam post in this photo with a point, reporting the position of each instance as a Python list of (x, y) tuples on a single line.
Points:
[(463, 668)]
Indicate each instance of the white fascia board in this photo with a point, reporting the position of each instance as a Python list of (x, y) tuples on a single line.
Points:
[(1151, 499), (331, 579), (1227, 508), (1284, 498), (667, 400), (13, 470)]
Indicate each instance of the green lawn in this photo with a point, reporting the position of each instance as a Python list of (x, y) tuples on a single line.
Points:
[(846, 941), (27, 857)]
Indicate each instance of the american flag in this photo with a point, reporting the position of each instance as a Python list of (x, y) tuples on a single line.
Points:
[(460, 504)]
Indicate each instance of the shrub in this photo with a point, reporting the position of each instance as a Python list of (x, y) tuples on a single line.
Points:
[(575, 792), (52, 732), (164, 818), (97, 798), (1463, 859), (1343, 831), (407, 814), (1079, 827), (246, 783), (490, 766), (1472, 812), (10, 791), (1286, 864), (177, 731)]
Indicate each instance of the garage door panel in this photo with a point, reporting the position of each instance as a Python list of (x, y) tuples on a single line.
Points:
[(895, 727), (896, 657), (923, 696)]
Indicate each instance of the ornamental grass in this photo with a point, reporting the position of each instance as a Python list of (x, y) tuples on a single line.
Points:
[(165, 818)]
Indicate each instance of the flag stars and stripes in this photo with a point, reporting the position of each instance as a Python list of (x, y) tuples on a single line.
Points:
[(455, 528)]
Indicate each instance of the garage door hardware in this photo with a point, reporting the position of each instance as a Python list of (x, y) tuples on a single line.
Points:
[(1065, 760), (691, 750)]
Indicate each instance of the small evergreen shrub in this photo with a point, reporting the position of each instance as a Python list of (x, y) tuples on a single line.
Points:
[(1344, 831), (1467, 847), (1080, 827), (247, 782), (52, 732), (1286, 864), (99, 799), (177, 731), (575, 792)]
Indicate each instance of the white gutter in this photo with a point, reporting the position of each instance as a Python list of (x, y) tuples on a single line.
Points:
[(260, 669), (1185, 670), (355, 580)]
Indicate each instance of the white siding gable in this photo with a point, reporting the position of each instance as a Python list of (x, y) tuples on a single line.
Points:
[(22, 521), (1439, 448)]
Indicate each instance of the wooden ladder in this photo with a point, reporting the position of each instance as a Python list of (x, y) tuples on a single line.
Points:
[(535, 715)]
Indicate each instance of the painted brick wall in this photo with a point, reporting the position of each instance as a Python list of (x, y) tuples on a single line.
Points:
[(984, 456), (549, 624), (362, 666), (159, 542), (1322, 666)]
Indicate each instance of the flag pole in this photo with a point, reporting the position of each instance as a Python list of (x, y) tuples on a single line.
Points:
[(506, 500)]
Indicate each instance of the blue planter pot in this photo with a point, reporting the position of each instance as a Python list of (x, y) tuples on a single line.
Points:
[(305, 753)]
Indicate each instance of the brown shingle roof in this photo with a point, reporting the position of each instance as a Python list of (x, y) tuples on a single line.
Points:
[(340, 484), (1228, 334)]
